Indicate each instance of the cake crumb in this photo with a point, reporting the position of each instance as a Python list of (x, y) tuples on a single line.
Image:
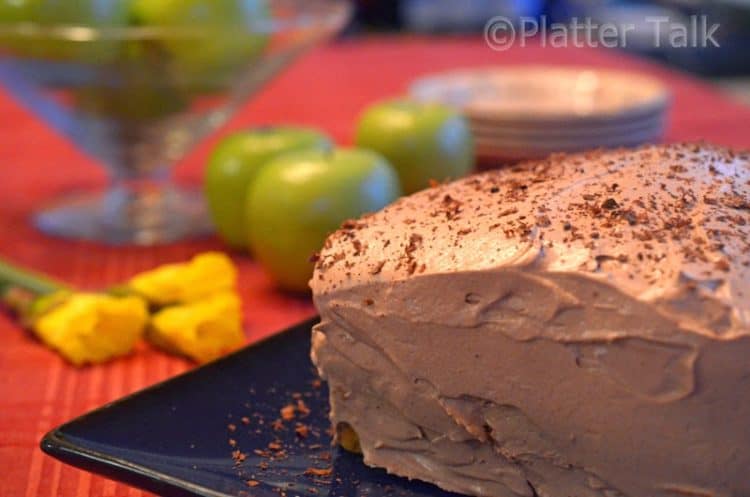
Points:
[(287, 412), (319, 472)]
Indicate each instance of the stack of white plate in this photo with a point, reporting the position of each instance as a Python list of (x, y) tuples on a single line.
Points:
[(522, 112)]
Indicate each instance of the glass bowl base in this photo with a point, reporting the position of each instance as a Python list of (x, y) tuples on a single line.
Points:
[(123, 216)]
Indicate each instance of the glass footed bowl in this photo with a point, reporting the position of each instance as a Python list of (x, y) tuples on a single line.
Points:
[(139, 98)]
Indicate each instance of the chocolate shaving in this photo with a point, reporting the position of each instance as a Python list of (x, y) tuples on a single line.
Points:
[(378, 268)]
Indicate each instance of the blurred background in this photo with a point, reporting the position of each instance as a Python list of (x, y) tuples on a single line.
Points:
[(138, 84), (728, 65)]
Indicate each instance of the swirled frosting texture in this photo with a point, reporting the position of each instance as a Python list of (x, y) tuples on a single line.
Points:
[(574, 326)]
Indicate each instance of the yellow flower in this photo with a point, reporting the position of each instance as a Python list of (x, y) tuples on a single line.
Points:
[(205, 275), (90, 327), (201, 330)]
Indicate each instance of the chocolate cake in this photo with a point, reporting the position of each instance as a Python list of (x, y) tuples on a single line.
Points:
[(573, 327)]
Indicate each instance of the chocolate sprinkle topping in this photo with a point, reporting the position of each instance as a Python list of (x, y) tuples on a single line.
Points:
[(659, 214)]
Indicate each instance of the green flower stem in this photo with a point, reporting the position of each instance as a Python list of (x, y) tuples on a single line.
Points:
[(15, 279)]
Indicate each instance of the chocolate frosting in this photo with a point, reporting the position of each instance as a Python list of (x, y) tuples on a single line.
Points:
[(574, 326)]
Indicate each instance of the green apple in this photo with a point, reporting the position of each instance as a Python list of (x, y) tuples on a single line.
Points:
[(423, 141), (222, 43), (93, 13), (299, 198), (60, 13), (12, 11), (234, 163)]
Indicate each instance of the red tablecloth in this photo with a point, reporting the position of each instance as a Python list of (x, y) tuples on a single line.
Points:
[(327, 89)]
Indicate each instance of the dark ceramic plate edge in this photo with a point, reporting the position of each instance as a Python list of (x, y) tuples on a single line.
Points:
[(56, 445)]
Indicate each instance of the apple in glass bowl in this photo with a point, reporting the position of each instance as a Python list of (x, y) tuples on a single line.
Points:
[(136, 84)]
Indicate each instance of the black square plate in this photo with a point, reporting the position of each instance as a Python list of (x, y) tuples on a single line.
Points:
[(177, 438)]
